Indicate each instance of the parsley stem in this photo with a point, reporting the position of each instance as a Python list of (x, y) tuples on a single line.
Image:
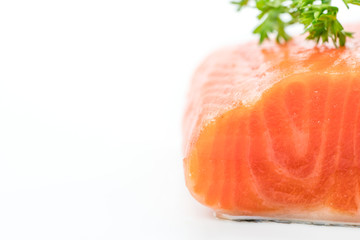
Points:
[(319, 19)]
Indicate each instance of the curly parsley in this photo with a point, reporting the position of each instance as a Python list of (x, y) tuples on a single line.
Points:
[(318, 17)]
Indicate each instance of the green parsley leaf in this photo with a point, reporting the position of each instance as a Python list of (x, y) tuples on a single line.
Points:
[(318, 17)]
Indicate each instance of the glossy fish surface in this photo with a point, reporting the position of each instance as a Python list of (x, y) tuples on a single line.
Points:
[(274, 131)]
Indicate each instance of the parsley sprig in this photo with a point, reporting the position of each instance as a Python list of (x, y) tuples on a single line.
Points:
[(319, 18)]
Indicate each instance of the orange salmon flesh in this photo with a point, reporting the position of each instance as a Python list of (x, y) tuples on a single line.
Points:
[(274, 131)]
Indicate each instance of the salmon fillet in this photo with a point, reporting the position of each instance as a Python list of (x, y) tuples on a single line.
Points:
[(274, 132)]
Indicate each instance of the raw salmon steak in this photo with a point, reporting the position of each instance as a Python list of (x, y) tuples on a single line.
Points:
[(273, 132)]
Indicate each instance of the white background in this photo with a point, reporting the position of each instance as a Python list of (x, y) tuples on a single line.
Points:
[(91, 101)]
